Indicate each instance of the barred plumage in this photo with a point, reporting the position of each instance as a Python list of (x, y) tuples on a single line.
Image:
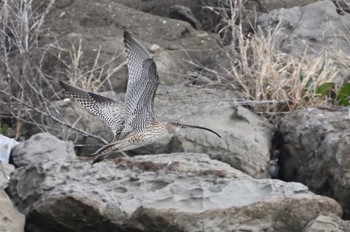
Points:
[(142, 85), (134, 124), (107, 109)]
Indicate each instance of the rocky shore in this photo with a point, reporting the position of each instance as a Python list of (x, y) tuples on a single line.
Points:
[(191, 181)]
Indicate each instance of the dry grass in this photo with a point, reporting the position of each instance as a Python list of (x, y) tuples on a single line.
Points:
[(27, 93), (263, 74), (78, 73), (272, 82), (21, 82)]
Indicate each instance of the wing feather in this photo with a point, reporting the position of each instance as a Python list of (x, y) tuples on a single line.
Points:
[(142, 85), (107, 109)]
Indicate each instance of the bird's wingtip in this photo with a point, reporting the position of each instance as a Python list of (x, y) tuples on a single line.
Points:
[(96, 160), (65, 85), (126, 35), (93, 162), (61, 83)]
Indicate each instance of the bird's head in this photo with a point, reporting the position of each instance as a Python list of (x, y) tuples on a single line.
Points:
[(174, 126)]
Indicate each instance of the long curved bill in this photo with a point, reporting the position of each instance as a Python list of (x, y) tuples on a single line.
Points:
[(200, 127)]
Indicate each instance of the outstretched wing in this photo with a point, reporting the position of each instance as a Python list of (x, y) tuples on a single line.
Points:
[(107, 109), (142, 85)]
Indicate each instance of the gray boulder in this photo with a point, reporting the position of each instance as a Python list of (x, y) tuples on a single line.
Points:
[(327, 222), (246, 138), (180, 191), (313, 28), (269, 5), (314, 150), (41, 148), (206, 11), (10, 219)]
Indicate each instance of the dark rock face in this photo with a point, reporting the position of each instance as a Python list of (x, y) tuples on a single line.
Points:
[(316, 151), (185, 14)]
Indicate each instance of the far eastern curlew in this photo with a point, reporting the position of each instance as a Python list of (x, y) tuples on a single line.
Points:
[(133, 124)]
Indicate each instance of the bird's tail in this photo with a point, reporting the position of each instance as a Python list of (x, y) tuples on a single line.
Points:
[(104, 152)]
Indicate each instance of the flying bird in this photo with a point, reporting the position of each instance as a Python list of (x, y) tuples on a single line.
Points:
[(133, 123)]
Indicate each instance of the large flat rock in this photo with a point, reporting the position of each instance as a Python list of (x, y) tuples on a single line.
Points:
[(180, 192)]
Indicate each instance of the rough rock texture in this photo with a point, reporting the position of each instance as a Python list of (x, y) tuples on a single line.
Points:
[(185, 14), (183, 191), (41, 147), (315, 150), (246, 138), (179, 192), (245, 142), (268, 5), (202, 18), (313, 27), (204, 10), (10, 219), (327, 222), (157, 7), (101, 25)]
